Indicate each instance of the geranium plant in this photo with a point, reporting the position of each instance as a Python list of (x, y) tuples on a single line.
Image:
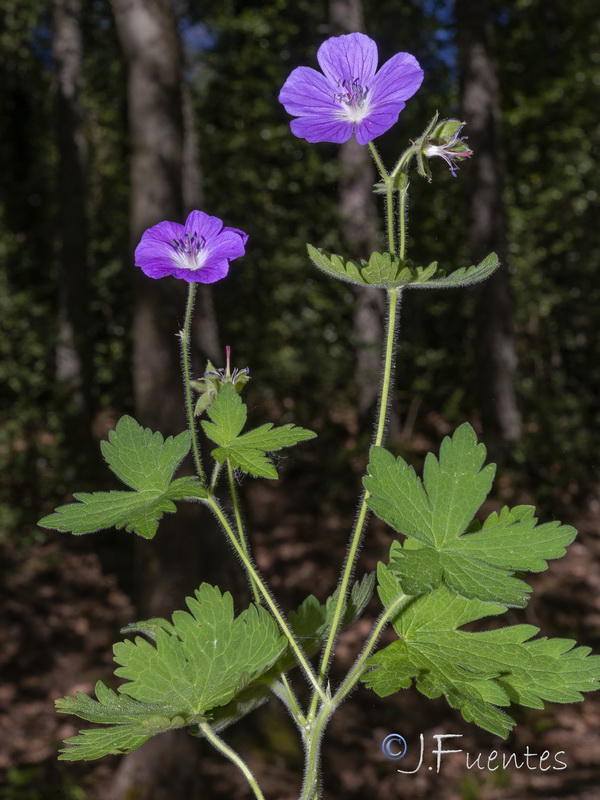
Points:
[(207, 667)]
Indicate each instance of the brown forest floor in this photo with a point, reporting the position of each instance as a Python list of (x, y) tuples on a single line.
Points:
[(61, 610)]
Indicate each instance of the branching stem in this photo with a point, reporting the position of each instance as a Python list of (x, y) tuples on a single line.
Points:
[(283, 625)]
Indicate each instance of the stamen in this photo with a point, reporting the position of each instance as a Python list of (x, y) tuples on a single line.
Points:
[(353, 98), (189, 250)]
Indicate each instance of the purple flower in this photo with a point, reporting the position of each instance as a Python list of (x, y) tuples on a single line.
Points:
[(198, 252), (351, 96), (452, 150)]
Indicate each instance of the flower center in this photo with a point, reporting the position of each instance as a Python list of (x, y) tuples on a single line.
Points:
[(353, 99), (189, 251)]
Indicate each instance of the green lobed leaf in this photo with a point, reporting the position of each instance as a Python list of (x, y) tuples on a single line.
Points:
[(436, 515), (465, 276), (142, 459), (228, 414), (477, 672), (381, 269), (247, 451), (309, 624), (201, 662), (145, 462), (386, 271), (98, 742)]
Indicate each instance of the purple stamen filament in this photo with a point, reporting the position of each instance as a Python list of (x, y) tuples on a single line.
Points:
[(189, 250), (353, 95)]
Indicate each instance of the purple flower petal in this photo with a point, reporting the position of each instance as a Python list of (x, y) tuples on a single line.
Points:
[(216, 269), (231, 243), (397, 80), (154, 253), (351, 96), (378, 122), (350, 57), (321, 129), (202, 224), (199, 252), (306, 91)]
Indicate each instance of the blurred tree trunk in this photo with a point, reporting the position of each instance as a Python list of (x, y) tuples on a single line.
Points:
[(358, 213), (73, 353), (205, 331), (188, 548), (496, 351)]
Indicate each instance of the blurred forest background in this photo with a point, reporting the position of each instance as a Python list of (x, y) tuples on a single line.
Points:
[(116, 114)]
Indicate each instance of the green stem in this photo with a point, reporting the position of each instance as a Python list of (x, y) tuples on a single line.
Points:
[(310, 789), (215, 475), (357, 534), (390, 217), (223, 748), (394, 298), (403, 162), (240, 526), (285, 629), (355, 673), (389, 197), (378, 161), (402, 220), (311, 778), (285, 693), (394, 295), (185, 358)]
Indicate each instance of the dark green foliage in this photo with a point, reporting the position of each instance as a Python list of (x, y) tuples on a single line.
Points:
[(289, 323), (549, 77)]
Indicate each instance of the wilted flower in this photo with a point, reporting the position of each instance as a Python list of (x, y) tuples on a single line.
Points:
[(351, 96), (198, 252), (442, 139), (214, 379)]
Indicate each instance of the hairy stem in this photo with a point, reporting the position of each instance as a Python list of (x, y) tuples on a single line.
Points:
[(357, 534), (283, 690), (223, 748), (311, 778), (357, 670), (240, 527), (402, 219), (389, 197), (185, 359), (283, 625), (394, 296)]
